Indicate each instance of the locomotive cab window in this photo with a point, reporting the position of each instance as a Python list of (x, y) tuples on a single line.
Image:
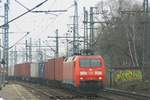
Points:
[(90, 63)]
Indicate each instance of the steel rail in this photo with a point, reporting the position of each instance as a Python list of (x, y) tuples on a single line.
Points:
[(137, 96), (54, 97)]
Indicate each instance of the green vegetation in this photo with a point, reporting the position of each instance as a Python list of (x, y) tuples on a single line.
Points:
[(127, 75)]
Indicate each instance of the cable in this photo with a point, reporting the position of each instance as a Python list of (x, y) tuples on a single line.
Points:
[(70, 6), (19, 40), (34, 11), (24, 13), (22, 5)]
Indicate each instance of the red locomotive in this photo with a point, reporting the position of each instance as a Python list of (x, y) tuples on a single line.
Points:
[(84, 72)]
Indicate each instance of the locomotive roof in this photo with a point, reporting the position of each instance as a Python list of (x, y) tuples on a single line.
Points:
[(72, 58)]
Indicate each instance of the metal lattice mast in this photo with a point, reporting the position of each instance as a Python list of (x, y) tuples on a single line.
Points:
[(6, 35), (91, 28), (26, 50), (57, 45), (40, 52), (86, 43), (0, 49), (15, 55), (30, 50), (75, 29), (146, 6)]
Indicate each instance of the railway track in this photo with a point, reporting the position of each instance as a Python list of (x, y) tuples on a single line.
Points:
[(105, 97), (56, 95), (53, 94), (39, 90), (133, 95)]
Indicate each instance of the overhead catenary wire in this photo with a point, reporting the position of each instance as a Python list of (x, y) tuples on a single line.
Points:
[(55, 18), (22, 5), (16, 42), (19, 40), (23, 14), (46, 12)]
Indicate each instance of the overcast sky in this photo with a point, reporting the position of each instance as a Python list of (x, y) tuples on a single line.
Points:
[(41, 25)]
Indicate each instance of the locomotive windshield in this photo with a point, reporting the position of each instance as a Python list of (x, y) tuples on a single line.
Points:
[(90, 63)]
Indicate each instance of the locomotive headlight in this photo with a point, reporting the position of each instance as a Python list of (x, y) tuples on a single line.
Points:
[(98, 72), (100, 78), (83, 73), (81, 78)]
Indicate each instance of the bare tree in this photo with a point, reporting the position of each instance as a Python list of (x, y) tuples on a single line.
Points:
[(118, 36)]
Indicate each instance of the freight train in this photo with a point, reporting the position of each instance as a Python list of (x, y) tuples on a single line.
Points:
[(79, 73)]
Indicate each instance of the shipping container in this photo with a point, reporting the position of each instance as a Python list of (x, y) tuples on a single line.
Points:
[(68, 72), (1, 68), (1, 75), (25, 69), (49, 70), (22, 70), (34, 70), (11, 71), (54, 69), (59, 68), (17, 70), (46, 75), (41, 70)]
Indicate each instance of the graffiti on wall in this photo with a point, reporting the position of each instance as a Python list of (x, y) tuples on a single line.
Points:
[(127, 75)]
